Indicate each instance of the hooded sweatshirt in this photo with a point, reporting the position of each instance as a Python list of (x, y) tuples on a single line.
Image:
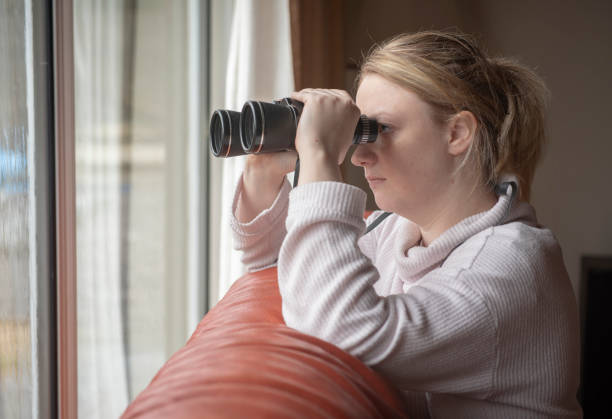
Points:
[(482, 323)]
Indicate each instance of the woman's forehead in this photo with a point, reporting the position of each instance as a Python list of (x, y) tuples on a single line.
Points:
[(377, 95)]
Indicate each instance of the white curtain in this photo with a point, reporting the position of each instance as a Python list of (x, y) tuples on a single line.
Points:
[(259, 68), (98, 64)]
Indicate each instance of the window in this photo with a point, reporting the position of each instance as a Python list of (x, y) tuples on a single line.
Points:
[(15, 341), (141, 161), (27, 336), (140, 121)]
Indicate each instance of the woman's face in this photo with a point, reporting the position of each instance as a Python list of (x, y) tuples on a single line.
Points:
[(409, 167)]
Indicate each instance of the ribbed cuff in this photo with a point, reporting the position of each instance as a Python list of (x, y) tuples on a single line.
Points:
[(265, 220), (325, 199)]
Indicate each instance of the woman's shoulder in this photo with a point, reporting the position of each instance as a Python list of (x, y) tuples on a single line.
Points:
[(516, 245), (520, 240), (515, 263), (517, 269)]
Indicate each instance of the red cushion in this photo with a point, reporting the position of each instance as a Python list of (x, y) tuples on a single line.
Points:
[(243, 361)]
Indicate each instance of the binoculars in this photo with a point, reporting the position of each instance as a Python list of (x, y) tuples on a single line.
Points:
[(264, 127)]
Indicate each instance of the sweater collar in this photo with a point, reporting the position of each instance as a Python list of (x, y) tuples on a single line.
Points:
[(415, 261)]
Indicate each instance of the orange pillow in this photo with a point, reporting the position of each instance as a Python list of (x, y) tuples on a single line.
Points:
[(243, 361)]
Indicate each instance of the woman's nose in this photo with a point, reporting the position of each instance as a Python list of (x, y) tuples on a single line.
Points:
[(363, 155)]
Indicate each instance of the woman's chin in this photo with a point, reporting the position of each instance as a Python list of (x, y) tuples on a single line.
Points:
[(382, 204)]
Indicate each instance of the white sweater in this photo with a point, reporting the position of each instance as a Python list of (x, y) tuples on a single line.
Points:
[(482, 323)]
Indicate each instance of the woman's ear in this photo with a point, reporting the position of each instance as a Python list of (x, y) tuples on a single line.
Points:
[(462, 129)]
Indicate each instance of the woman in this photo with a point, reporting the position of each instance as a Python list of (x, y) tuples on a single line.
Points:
[(460, 298)]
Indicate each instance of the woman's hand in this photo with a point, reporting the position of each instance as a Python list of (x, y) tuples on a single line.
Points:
[(324, 133)]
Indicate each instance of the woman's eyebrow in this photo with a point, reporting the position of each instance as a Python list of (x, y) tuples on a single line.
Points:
[(381, 115)]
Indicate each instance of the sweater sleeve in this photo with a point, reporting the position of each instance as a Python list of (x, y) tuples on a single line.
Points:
[(436, 337), (260, 239)]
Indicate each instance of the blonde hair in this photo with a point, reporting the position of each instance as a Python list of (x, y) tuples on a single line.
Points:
[(449, 71)]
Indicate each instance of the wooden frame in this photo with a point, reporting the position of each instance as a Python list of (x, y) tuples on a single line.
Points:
[(317, 43), (63, 65)]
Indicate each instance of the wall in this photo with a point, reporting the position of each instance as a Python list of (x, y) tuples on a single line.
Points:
[(569, 45)]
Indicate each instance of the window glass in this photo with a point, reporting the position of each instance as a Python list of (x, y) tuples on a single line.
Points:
[(15, 342)]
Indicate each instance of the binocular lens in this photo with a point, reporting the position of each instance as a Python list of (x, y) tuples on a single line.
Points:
[(252, 127), (224, 131)]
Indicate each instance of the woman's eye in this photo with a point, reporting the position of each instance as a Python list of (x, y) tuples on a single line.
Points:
[(382, 128)]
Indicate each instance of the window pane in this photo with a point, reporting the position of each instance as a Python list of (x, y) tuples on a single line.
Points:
[(15, 345), (135, 136)]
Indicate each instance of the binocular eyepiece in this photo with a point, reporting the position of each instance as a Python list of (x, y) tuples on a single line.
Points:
[(264, 127)]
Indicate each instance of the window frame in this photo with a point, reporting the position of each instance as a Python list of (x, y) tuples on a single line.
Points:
[(65, 207), (42, 221)]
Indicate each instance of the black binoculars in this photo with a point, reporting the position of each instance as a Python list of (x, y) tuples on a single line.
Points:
[(264, 127)]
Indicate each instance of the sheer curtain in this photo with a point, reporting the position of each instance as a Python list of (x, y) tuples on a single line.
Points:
[(98, 61), (140, 96), (259, 67)]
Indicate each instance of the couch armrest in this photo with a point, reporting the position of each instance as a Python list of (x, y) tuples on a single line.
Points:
[(243, 361)]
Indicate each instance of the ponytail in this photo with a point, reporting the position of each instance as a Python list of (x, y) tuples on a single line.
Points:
[(522, 134)]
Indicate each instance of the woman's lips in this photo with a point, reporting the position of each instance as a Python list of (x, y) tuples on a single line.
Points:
[(374, 180)]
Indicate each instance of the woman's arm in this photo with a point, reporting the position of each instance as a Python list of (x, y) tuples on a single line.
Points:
[(259, 208), (262, 180), (430, 339)]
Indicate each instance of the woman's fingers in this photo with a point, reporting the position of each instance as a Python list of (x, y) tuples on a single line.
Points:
[(305, 94), (343, 94), (327, 122)]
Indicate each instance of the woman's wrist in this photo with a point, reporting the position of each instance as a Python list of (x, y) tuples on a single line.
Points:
[(261, 170), (260, 188), (318, 166), (263, 184)]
